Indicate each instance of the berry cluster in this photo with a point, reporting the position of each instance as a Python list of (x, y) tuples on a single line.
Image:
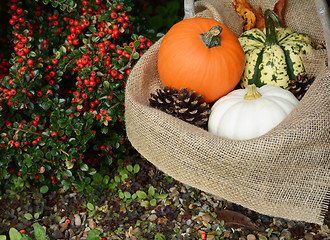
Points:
[(62, 91)]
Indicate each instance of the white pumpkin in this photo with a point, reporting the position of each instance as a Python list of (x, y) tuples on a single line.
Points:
[(248, 113)]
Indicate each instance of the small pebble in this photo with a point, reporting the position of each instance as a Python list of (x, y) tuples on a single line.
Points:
[(57, 234), (207, 217), (63, 226), (210, 236), (91, 224), (71, 233), (251, 237), (274, 237), (77, 220), (189, 222), (308, 236), (285, 234), (152, 217)]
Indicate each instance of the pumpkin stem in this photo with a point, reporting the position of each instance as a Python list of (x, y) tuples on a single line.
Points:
[(252, 93), (270, 19), (212, 37)]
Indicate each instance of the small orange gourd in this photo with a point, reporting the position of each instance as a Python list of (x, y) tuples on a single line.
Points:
[(201, 54)]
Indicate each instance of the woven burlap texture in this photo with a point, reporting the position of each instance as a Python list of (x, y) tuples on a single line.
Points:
[(284, 173)]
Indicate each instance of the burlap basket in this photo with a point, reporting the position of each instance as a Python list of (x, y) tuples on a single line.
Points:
[(284, 173)]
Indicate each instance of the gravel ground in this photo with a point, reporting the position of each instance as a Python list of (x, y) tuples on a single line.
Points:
[(168, 210)]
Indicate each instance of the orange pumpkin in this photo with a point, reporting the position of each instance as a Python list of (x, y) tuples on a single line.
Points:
[(201, 54)]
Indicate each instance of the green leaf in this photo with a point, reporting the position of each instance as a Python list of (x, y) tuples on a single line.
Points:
[(153, 202), (63, 50), (130, 168), (33, 54), (63, 7), (92, 171), (141, 194), (94, 234), (136, 55), (97, 177), (28, 216), (27, 160), (96, 39), (40, 154), (67, 172), (92, 28), (128, 49), (136, 168), (14, 234), (3, 237), (151, 191), (136, 43), (84, 167), (127, 195), (117, 179), (90, 206), (54, 4), (39, 232), (124, 177), (162, 196), (121, 195), (36, 215), (159, 236), (44, 189)]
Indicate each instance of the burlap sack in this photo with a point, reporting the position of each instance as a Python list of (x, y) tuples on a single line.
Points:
[(284, 173)]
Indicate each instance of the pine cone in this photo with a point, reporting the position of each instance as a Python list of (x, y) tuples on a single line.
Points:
[(164, 100), (300, 85), (185, 105)]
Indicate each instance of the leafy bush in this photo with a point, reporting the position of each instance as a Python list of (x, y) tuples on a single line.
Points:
[(62, 91)]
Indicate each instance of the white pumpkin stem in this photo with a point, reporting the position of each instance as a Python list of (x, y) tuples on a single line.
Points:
[(252, 93), (323, 11), (189, 9)]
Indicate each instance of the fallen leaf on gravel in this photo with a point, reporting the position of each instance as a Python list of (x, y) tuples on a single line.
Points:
[(236, 220)]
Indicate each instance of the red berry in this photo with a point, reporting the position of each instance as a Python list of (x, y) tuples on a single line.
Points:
[(30, 62), (203, 236), (113, 15), (20, 53), (17, 144), (113, 73), (19, 11), (54, 61), (101, 34), (24, 39), (13, 91)]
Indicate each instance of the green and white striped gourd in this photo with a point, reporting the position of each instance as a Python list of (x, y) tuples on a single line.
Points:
[(273, 56)]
